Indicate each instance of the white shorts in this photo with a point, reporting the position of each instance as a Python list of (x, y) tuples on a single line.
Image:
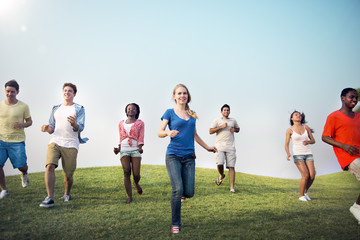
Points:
[(229, 157), (354, 168)]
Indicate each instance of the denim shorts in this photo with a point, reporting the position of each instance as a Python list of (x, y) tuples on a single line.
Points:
[(15, 151), (133, 154), (305, 158)]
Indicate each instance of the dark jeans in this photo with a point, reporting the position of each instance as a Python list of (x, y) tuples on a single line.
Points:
[(181, 171)]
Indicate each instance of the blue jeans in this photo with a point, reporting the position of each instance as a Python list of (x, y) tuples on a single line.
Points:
[(181, 171)]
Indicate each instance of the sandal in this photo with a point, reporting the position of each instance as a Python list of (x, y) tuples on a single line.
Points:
[(233, 191), (219, 181)]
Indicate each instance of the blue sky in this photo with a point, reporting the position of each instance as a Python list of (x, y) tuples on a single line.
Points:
[(263, 58)]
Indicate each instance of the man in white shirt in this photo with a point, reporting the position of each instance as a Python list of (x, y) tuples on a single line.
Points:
[(224, 128), (66, 122)]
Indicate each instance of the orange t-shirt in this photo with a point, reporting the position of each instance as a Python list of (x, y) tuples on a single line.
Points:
[(344, 130)]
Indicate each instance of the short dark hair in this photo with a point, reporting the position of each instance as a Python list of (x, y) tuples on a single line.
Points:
[(12, 83), (224, 106), (346, 90), (73, 86), (137, 109)]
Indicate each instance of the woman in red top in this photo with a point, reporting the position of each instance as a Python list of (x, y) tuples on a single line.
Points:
[(131, 142)]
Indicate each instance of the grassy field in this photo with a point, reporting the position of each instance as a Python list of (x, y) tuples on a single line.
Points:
[(264, 208)]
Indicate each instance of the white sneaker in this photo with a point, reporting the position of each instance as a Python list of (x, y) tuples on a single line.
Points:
[(4, 193), (303, 198), (355, 210), (307, 197), (25, 180), (66, 198)]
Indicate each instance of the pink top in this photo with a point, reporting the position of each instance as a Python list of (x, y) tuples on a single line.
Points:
[(136, 132)]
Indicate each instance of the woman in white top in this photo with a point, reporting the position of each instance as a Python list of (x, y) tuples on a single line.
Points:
[(131, 133), (301, 137)]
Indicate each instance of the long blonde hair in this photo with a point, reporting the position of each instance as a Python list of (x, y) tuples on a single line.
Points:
[(187, 108)]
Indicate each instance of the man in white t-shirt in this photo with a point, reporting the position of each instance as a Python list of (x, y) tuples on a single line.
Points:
[(224, 128), (66, 122)]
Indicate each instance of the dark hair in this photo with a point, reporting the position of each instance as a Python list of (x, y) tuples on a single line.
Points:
[(346, 90), (137, 109), (12, 83), (73, 86), (224, 106), (302, 117), (303, 121)]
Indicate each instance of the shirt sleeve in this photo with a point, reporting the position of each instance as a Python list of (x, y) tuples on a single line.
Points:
[(214, 124), (80, 119), (329, 127), (141, 133), (52, 118), (236, 125), (27, 112), (166, 115)]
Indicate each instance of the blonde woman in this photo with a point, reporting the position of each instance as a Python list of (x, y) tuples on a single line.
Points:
[(180, 154)]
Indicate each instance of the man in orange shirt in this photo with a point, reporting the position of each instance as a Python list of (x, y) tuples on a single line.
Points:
[(342, 131)]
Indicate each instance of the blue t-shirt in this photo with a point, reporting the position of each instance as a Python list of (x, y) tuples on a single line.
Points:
[(182, 144)]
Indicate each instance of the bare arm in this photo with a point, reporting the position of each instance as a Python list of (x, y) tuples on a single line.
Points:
[(312, 140), (234, 129), (72, 121), (47, 128), (203, 144), (352, 150), (287, 142), (162, 131), (27, 123), (214, 130)]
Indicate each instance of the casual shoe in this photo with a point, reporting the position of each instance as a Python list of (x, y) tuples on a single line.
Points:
[(25, 180), (4, 193), (66, 198), (303, 198), (355, 210), (307, 197), (47, 203), (175, 229), (183, 198), (233, 191)]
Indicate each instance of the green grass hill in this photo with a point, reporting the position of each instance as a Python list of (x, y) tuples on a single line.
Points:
[(264, 208)]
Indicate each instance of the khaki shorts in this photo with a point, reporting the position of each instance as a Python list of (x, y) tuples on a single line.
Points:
[(229, 157), (67, 155), (354, 168)]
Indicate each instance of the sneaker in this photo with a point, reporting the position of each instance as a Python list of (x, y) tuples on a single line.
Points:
[(355, 210), (303, 198), (66, 198), (183, 198), (233, 191), (307, 197), (47, 203), (175, 229), (4, 193), (25, 180)]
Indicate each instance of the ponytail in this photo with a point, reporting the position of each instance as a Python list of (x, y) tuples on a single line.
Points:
[(191, 113)]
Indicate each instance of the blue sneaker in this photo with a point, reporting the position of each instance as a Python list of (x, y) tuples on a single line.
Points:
[(47, 203)]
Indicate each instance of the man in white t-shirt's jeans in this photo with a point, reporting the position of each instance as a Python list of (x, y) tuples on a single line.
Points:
[(224, 128), (66, 122)]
